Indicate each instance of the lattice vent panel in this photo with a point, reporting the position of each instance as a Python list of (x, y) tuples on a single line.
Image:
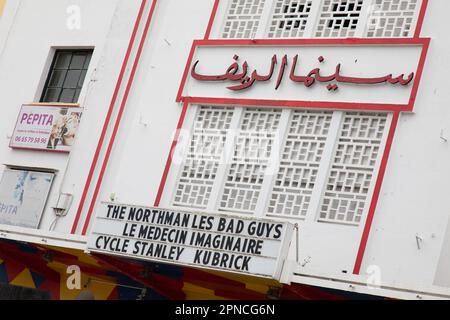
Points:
[(338, 18), (243, 19), (392, 18), (289, 18), (255, 142), (299, 164), (353, 168)]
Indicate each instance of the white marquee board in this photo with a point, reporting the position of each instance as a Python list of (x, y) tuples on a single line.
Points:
[(218, 242)]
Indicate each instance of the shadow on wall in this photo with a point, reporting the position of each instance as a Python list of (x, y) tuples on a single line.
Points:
[(9, 292)]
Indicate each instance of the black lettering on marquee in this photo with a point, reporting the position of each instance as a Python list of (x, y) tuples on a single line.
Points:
[(116, 212), (129, 230), (113, 244)]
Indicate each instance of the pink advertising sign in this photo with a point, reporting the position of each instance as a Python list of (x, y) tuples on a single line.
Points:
[(46, 127)]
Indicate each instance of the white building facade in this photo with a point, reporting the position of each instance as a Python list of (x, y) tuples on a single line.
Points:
[(329, 116)]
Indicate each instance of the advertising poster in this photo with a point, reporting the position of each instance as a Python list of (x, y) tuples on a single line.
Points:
[(23, 195), (46, 127)]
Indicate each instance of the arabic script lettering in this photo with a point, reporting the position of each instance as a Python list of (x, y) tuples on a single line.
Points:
[(240, 74)]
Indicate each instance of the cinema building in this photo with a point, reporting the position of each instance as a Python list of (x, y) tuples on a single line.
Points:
[(224, 149)]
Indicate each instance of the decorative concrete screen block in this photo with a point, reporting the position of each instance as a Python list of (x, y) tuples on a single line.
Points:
[(202, 161), (338, 18), (266, 161), (299, 163), (353, 168), (242, 19), (392, 18), (289, 18), (252, 158)]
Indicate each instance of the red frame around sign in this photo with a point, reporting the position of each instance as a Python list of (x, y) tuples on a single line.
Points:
[(424, 42)]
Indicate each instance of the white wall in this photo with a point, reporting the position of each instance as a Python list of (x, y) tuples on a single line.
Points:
[(414, 197)]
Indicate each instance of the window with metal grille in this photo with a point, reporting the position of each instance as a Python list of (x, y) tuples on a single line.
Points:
[(338, 18), (275, 158), (392, 18), (66, 76), (242, 19), (289, 18), (353, 167)]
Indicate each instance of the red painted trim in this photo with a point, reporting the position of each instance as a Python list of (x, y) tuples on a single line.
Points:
[(298, 104), (185, 73), (211, 19), (420, 20), (376, 194), (108, 116), (162, 184), (317, 42), (119, 116), (424, 42)]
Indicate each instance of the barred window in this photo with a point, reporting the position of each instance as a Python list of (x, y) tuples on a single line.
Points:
[(66, 77)]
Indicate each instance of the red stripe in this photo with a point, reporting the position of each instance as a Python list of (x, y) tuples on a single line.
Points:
[(108, 117), (376, 194), (300, 42), (119, 117), (211, 19), (421, 18), (420, 68), (299, 104), (162, 184), (425, 42)]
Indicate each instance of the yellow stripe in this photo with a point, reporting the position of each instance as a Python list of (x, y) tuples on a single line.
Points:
[(24, 279), (2, 6)]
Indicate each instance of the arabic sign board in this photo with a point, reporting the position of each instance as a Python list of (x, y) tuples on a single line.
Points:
[(218, 242), (46, 127), (351, 73), (23, 195)]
